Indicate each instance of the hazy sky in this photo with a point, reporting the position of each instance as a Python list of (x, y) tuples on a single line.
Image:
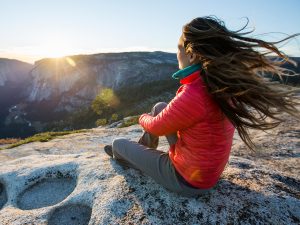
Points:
[(34, 29)]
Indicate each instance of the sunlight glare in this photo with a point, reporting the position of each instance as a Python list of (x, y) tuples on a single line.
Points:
[(71, 61)]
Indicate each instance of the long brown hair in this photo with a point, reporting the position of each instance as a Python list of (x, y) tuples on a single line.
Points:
[(234, 68)]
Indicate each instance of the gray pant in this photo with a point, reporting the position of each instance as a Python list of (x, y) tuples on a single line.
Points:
[(143, 156)]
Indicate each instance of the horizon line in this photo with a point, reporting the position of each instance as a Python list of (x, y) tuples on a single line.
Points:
[(23, 59), (32, 62), (31, 59)]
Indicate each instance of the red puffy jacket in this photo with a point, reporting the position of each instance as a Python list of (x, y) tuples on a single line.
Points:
[(204, 133)]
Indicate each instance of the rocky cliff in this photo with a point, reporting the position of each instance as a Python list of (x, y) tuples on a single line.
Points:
[(74, 81), (53, 88)]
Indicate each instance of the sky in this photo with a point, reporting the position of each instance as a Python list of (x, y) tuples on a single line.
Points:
[(35, 29)]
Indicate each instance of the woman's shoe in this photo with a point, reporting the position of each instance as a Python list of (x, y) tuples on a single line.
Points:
[(108, 150)]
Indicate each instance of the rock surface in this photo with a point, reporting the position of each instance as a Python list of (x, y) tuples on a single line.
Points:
[(70, 180)]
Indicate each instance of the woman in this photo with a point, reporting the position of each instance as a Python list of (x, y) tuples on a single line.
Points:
[(222, 90)]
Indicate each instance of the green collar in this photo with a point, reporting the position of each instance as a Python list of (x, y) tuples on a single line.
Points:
[(186, 71)]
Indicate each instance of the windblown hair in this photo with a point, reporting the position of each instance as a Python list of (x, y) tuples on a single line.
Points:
[(234, 67)]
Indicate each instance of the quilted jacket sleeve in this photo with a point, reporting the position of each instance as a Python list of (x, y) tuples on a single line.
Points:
[(184, 110)]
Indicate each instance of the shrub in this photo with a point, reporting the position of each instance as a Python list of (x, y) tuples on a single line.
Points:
[(114, 117), (128, 121), (101, 122), (105, 101)]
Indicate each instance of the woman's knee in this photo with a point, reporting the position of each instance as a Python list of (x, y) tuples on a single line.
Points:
[(118, 143), (158, 107)]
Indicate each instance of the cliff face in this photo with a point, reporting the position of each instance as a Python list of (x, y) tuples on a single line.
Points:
[(74, 81), (52, 88)]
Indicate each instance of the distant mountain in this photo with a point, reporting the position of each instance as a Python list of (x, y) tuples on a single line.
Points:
[(13, 72), (72, 82), (57, 92), (15, 77), (54, 88)]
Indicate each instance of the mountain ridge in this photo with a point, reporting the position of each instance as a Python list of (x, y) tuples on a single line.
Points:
[(61, 86), (55, 88)]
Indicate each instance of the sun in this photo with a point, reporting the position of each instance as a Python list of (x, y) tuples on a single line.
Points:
[(55, 46)]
